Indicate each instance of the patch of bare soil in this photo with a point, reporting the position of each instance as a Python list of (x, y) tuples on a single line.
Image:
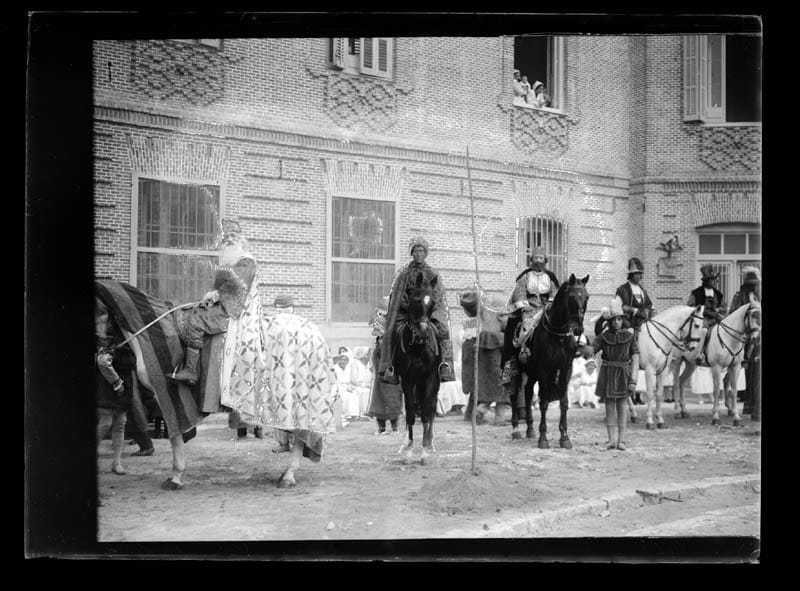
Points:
[(363, 489)]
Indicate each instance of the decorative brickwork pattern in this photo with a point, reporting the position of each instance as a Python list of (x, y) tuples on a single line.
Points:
[(368, 181), (166, 69), (731, 148), (533, 130), (355, 101), (727, 207), (178, 159)]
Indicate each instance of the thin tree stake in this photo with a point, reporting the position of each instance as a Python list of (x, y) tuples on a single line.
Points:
[(479, 297)]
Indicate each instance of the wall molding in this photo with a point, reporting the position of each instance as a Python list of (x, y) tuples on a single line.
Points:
[(136, 115)]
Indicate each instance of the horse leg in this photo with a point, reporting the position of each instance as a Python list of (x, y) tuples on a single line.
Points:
[(175, 482), (407, 445), (562, 422), (733, 372), (650, 381), (686, 376), (428, 417), (659, 401), (727, 390), (517, 411), (287, 478), (543, 395), (529, 433), (716, 393)]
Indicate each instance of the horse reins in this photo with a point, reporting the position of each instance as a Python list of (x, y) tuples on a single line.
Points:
[(677, 343), (546, 322), (733, 333)]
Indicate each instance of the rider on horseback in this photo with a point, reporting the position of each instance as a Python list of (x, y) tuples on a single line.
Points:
[(536, 286), (233, 278), (636, 305), (749, 292), (713, 300), (397, 315)]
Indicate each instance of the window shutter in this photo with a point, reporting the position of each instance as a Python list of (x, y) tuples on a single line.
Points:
[(368, 56), (692, 78), (337, 52)]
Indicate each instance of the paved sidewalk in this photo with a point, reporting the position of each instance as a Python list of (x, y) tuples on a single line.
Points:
[(528, 526)]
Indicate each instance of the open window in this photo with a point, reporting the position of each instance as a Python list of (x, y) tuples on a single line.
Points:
[(541, 59), (722, 78), (370, 56)]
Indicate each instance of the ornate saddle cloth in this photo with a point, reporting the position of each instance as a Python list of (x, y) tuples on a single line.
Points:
[(530, 319)]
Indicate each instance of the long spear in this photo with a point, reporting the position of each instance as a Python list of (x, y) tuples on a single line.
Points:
[(479, 294)]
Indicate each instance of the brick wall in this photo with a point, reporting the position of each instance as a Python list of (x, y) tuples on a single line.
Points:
[(283, 119)]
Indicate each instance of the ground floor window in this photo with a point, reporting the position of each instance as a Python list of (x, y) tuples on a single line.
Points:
[(176, 226), (729, 249), (362, 256)]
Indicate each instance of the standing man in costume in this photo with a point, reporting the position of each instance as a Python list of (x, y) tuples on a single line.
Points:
[(386, 400), (713, 300), (636, 306), (535, 288), (398, 312)]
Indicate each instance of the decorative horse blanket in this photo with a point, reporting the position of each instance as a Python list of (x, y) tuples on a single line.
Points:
[(161, 349), (278, 372)]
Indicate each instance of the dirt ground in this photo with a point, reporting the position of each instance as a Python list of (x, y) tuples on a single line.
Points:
[(363, 490)]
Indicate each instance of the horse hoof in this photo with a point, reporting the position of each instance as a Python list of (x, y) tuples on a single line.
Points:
[(286, 483), (634, 419), (544, 444), (530, 434), (730, 413), (651, 426), (677, 415), (736, 423), (662, 426), (715, 421), (566, 443), (685, 415), (516, 435), (170, 484)]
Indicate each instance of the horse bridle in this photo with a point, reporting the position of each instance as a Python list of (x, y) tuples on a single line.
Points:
[(673, 338), (735, 334), (546, 320)]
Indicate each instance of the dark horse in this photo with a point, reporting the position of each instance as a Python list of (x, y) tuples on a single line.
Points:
[(416, 359), (553, 345)]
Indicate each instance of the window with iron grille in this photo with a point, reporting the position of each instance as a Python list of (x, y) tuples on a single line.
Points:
[(550, 233), (174, 254), (371, 56), (722, 78), (362, 256)]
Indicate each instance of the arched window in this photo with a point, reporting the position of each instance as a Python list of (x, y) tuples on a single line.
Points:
[(533, 231)]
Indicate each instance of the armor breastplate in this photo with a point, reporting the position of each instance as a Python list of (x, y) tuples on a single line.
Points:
[(538, 283)]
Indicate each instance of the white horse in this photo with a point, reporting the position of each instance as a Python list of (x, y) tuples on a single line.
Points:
[(724, 351), (662, 339)]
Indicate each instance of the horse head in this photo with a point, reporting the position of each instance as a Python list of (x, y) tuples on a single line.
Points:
[(420, 305), (752, 320), (576, 297), (692, 331)]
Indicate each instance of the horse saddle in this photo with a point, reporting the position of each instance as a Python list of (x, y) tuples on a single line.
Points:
[(530, 318)]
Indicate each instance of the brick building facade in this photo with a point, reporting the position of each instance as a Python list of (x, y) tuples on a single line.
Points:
[(332, 154)]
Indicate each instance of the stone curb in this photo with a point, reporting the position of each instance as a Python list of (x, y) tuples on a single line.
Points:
[(620, 500)]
